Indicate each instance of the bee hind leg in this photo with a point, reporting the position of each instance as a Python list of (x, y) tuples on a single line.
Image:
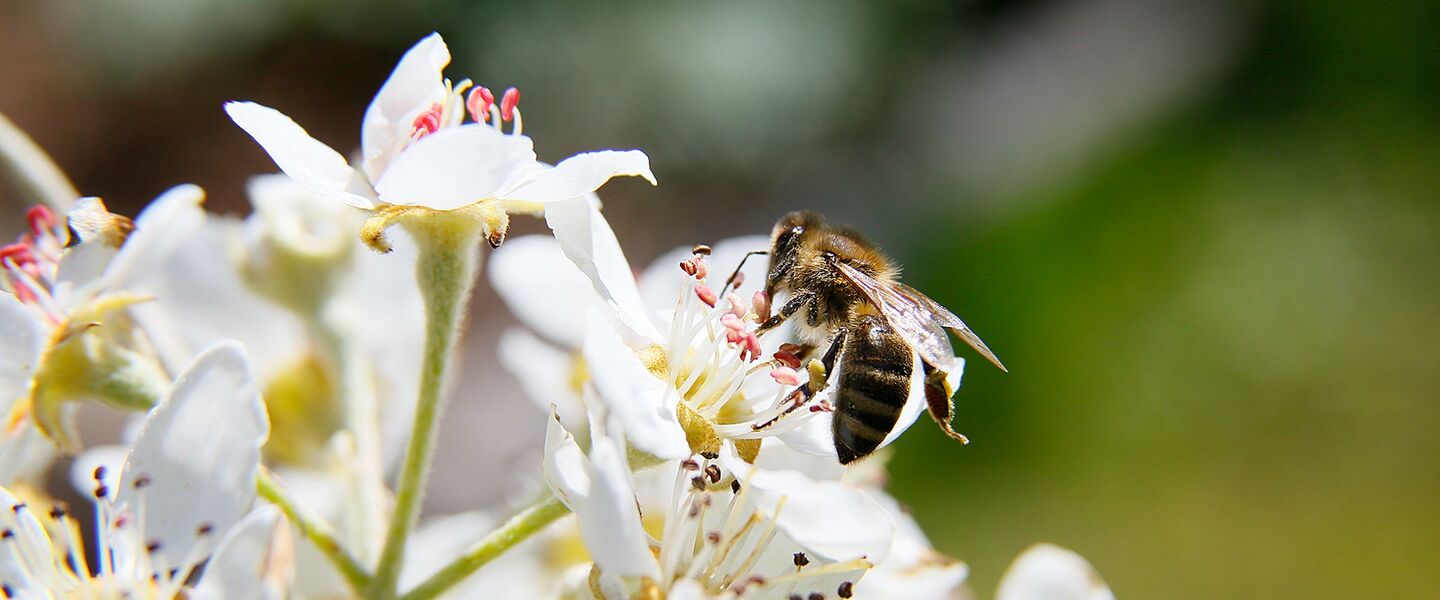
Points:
[(937, 397)]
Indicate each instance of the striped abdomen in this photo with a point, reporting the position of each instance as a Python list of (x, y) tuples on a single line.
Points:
[(874, 381)]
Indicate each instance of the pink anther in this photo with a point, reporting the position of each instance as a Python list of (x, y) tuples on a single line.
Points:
[(479, 102), (427, 122), (737, 304), (732, 322), (785, 376), (761, 303), (508, 102), (738, 279), (42, 220), (706, 295)]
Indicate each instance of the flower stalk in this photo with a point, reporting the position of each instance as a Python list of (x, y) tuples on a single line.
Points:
[(448, 242), (519, 528), (315, 531)]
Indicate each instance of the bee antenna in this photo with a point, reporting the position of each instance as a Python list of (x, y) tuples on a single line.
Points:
[(731, 279)]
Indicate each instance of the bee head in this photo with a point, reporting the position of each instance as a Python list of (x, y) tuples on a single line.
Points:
[(785, 242)]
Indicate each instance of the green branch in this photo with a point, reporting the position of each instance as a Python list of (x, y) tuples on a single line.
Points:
[(318, 533), (516, 530)]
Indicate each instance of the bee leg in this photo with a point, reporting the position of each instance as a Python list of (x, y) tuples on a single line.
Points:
[(787, 311), (937, 397)]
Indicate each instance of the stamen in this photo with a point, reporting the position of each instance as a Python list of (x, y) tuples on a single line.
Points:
[(847, 589), (427, 122), (761, 303), (701, 249), (508, 102), (706, 295), (785, 376), (479, 103), (42, 220), (787, 358)]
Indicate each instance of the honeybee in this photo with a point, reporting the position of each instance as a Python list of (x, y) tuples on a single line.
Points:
[(844, 291)]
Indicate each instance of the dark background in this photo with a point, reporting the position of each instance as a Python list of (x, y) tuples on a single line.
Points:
[(1203, 236)]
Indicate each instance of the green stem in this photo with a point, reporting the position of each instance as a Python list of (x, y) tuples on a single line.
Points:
[(516, 530), (315, 531), (446, 269), (33, 171)]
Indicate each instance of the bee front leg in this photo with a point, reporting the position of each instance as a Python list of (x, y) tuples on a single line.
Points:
[(787, 311)]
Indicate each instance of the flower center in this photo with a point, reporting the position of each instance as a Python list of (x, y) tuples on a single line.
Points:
[(726, 391), (479, 105)]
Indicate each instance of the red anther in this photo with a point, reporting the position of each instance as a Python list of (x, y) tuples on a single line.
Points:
[(761, 302), (788, 359), (737, 304), (732, 322), (687, 267), (427, 122), (821, 407), (478, 104), (18, 254), (706, 295), (42, 221), (785, 376), (734, 337), (508, 102)]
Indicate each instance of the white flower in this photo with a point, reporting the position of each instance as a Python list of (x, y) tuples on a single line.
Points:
[(1048, 572), (681, 368), (726, 529), (417, 149), (186, 482), (67, 301)]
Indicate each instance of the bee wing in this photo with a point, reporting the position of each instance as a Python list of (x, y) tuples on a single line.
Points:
[(949, 321), (917, 318)]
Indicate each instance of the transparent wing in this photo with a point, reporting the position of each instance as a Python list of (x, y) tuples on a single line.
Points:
[(917, 318)]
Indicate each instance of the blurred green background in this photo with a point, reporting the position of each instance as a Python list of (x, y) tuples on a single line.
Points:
[(1203, 236)]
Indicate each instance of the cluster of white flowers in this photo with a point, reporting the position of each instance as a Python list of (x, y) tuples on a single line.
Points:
[(286, 383)]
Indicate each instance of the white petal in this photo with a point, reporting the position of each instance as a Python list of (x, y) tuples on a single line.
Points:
[(643, 403), (816, 435), (455, 167), (240, 569), (812, 508), (413, 86), (24, 338), (586, 238), (913, 568), (199, 450), (542, 287), (582, 174), (1048, 572), (24, 456), (313, 164), (914, 403), (545, 372), (598, 489), (159, 230)]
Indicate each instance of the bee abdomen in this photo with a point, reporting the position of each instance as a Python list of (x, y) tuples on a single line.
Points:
[(874, 383)]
